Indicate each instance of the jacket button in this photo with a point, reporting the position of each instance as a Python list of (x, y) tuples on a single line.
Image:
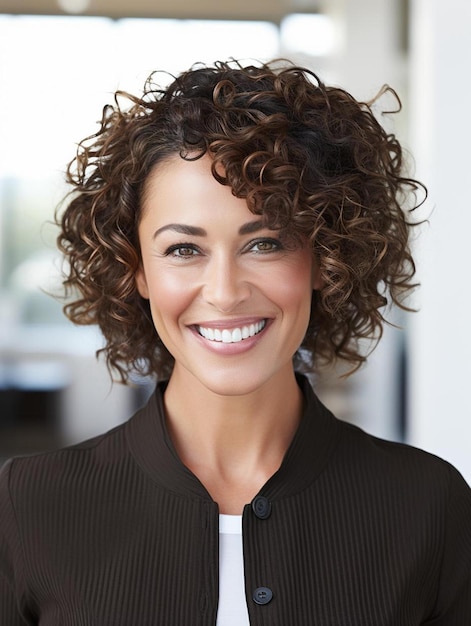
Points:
[(262, 595), (261, 507)]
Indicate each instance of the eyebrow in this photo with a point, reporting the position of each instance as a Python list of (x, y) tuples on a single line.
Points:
[(196, 231)]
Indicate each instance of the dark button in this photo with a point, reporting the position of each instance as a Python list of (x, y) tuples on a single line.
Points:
[(262, 595), (261, 507)]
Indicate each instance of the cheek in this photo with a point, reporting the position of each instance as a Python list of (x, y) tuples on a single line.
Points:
[(169, 296), (294, 284)]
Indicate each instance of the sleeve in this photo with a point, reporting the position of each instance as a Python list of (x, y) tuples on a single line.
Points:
[(453, 604), (11, 567)]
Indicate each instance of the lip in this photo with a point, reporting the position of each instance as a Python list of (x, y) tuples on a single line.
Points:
[(230, 324)]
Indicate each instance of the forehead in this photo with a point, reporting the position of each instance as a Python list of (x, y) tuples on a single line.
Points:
[(175, 170), (179, 189)]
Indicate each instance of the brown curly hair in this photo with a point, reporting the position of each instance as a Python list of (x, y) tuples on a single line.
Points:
[(310, 158)]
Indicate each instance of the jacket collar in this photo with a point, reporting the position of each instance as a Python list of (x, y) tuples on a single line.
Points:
[(308, 454)]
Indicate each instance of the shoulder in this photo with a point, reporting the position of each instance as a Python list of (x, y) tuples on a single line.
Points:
[(400, 469), (375, 450), (359, 460), (22, 478)]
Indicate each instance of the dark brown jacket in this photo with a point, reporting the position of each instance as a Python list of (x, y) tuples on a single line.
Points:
[(351, 531)]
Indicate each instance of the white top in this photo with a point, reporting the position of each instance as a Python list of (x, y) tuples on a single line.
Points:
[(232, 610)]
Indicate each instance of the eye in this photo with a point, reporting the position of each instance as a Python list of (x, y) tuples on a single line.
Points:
[(265, 246), (182, 250)]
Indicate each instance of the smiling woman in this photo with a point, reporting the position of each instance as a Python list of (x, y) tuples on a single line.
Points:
[(224, 232), (310, 160)]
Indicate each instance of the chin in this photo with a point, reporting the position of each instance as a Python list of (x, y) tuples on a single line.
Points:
[(232, 384)]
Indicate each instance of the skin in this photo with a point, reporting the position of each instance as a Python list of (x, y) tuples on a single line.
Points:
[(209, 267)]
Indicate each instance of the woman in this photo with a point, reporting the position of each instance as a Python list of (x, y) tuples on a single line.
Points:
[(226, 233)]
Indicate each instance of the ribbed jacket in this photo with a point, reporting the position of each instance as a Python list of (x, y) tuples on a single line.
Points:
[(351, 531)]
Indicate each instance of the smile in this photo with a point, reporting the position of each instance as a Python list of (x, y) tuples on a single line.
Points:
[(233, 335)]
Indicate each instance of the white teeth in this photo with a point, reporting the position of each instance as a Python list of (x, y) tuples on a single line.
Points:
[(236, 335), (231, 336)]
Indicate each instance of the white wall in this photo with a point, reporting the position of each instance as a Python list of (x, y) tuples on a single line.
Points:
[(440, 338)]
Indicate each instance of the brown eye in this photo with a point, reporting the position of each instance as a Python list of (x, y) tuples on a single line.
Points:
[(265, 245), (182, 251)]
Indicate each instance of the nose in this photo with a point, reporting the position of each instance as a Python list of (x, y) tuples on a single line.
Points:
[(225, 284)]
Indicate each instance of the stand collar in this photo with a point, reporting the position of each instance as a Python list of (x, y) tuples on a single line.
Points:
[(309, 452)]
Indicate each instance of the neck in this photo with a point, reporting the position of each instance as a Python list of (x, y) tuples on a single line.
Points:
[(233, 443)]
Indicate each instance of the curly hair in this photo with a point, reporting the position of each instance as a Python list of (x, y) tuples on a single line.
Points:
[(309, 158)]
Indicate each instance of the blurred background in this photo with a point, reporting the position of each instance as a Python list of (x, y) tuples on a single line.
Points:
[(61, 61)]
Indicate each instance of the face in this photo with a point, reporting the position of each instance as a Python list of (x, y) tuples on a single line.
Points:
[(229, 299)]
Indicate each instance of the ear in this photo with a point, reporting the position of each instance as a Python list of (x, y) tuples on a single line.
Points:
[(141, 283), (317, 281)]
